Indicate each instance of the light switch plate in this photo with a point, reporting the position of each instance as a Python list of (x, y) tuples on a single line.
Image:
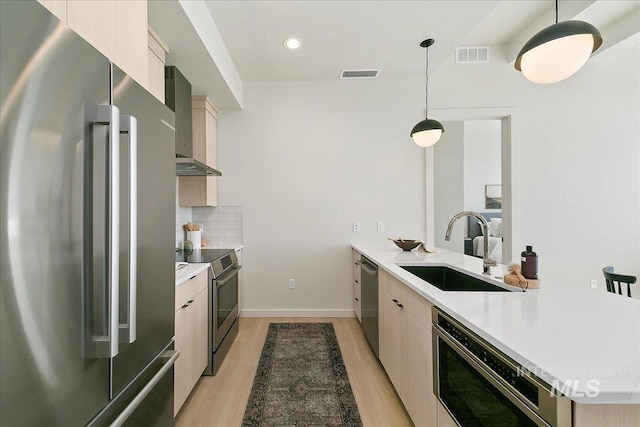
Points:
[(380, 227), (356, 227)]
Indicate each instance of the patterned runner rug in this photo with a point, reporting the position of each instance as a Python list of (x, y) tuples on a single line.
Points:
[(301, 380)]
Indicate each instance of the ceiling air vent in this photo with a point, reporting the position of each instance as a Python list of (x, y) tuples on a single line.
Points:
[(472, 55), (359, 74)]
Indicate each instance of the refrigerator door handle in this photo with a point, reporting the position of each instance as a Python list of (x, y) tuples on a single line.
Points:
[(129, 126), (106, 346), (170, 357)]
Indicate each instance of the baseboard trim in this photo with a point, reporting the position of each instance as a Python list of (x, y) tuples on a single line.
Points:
[(296, 313)]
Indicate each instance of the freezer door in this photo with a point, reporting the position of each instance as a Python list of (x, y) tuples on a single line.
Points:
[(147, 227), (54, 293), (147, 401)]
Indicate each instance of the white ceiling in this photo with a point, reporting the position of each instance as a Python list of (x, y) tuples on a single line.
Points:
[(342, 35), (359, 34)]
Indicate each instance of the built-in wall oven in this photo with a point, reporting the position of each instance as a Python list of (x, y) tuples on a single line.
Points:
[(480, 386)]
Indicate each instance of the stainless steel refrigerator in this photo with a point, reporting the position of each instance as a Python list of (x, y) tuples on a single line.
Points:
[(87, 205)]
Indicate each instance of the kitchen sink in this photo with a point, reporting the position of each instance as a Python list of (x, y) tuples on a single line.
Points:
[(448, 279)]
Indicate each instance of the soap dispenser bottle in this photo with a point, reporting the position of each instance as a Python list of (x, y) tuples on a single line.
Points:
[(529, 261)]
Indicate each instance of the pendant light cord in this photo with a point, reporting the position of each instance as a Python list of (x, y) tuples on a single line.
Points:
[(426, 88), (556, 11)]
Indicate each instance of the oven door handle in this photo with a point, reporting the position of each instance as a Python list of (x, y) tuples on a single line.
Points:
[(479, 367), (233, 273)]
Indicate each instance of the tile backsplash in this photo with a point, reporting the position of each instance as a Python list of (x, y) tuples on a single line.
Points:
[(183, 215), (222, 226)]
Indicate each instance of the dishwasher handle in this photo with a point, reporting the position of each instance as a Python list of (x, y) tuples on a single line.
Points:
[(370, 271)]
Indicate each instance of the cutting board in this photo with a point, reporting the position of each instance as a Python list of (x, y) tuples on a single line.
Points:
[(512, 279)]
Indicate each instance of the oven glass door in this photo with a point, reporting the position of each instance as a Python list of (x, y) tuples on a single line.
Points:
[(471, 399), (227, 297)]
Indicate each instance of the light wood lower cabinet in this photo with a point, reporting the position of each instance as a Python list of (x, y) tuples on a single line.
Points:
[(602, 415), (357, 305), (240, 287), (405, 348), (444, 419), (191, 333)]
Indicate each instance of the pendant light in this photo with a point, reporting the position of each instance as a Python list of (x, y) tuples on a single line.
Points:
[(558, 51), (427, 132)]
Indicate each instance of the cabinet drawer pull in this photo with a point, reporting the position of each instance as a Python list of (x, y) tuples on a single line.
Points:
[(400, 305), (395, 300), (185, 306), (356, 281), (356, 299), (190, 301), (191, 278)]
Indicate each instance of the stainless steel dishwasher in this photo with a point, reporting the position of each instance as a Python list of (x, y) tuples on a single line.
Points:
[(369, 301)]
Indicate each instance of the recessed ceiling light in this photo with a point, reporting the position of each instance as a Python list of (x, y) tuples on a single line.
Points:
[(292, 43)]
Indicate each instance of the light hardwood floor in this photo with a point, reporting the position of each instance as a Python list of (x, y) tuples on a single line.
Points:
[(221, 400)]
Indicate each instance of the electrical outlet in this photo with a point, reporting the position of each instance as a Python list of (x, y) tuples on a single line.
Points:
[(380, 227), (594, 284), (356, 227), (292, 283)]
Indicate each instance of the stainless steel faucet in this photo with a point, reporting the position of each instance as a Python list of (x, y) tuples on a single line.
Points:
[(486, 261)]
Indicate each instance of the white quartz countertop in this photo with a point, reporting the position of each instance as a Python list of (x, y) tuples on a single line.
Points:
[(189, 271), (587, 339)]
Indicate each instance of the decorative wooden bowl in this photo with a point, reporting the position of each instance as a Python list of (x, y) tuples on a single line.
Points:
[(406, 245)]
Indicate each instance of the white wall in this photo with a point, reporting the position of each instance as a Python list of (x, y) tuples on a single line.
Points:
[(580, 159), (482, 165), (448, 178), (305, 160)]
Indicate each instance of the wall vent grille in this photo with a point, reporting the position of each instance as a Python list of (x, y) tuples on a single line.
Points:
[(359, 74), (472, 55)]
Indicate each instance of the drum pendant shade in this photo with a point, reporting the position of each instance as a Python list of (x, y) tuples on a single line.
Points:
[(427, 132)]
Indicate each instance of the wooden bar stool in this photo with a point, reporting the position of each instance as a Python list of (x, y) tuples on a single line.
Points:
[(612, 278)]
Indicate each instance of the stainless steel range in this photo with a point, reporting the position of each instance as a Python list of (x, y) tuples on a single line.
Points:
[(223, 300)]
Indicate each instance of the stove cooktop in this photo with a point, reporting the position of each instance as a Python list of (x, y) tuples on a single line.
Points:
[(201, 255)]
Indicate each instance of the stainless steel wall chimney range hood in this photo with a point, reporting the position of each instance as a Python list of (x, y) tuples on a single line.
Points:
[(178, 97), (188, 166)]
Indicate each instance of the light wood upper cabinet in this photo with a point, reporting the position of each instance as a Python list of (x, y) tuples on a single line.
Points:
[(57, 7), (191, 335), (202, 190), (406, 348), (157, 54), (118, 29)]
